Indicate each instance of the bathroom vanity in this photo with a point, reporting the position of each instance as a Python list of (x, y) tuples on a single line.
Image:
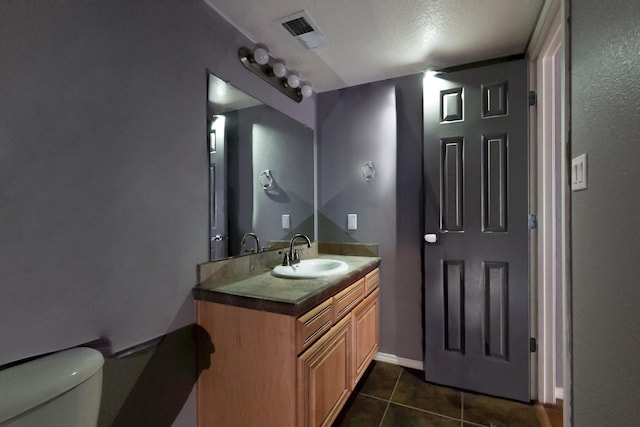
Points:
[(285, 352)]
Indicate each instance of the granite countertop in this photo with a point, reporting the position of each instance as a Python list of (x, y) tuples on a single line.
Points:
[(263, 291)]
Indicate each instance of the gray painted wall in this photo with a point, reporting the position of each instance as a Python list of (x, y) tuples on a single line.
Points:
[(103, 167), (406, 341), (605, 107), (379, 122), (271, 140)]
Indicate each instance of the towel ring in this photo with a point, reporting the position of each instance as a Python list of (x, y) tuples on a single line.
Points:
[(266, 180), (368, 171)]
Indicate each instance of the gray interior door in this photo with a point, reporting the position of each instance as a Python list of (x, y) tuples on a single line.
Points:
[(218, 244), (476, 208)]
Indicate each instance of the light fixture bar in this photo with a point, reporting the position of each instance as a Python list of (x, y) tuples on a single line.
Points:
[(265, 72)]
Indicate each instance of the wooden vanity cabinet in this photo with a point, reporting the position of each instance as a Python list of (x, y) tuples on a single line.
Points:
[(366, 330), (324, 377), (271, 369), (366, 327), (330, 369)]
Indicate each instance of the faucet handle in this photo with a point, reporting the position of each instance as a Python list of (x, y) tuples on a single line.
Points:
[(296, 255), (287, 260)]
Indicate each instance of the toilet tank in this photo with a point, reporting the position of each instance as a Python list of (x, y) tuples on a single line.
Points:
[(60, 389)]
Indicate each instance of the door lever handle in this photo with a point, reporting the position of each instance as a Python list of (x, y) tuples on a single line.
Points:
[(430, 238)]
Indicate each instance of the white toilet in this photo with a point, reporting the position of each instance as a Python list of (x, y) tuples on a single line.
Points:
[(61, 389)]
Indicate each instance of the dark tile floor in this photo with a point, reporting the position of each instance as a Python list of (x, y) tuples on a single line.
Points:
[(393, 396)]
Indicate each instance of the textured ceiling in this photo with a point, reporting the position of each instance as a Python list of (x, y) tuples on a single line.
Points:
[(370, 40)]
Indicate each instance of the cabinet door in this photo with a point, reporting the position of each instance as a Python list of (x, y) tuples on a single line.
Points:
[(324, 377), (366, 330)]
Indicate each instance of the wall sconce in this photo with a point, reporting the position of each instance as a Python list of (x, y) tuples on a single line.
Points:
[(274, 72)]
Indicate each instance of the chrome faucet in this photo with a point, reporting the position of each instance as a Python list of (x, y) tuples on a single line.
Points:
[(256, 239), (291, 257)]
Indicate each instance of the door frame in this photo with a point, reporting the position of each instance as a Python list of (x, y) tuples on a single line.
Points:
[(550, 190), (547, 164)]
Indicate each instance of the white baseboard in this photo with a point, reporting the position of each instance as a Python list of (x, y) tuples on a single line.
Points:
[(559, 393), (401, 361)]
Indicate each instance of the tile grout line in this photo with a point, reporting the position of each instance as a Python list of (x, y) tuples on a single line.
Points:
[(460, 418), (384, 413), (427, 411), (390, 400), (395, 386), (373, 397)]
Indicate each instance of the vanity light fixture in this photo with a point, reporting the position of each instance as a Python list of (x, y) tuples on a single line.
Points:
[(261, 55), (293, 80), (279, 69), (274, 72), (306, 90)]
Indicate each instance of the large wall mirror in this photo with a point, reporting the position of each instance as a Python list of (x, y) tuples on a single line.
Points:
[(261, 171)]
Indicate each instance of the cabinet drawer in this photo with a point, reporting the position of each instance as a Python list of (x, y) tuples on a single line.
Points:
[(311, 325), (371, 281), (344, 301)]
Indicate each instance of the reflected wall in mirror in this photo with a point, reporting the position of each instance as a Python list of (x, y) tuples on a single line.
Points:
[(261, 171)]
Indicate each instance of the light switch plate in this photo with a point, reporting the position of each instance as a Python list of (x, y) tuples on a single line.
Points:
[(286, 221), (579, 172), (352, 221)]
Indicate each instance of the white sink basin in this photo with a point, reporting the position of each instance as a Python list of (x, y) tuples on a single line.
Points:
[(311, 269)]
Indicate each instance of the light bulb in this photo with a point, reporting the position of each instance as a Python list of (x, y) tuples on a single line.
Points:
[(261, 55), (306, 90), (293, 81), (279, 69)]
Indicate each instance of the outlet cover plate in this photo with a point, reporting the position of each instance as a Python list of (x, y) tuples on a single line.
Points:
[(579, 172), (352, 221)]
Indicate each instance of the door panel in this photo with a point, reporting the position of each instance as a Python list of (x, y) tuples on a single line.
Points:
[(453, 286), (494, 183), (476, 201), (452, 184)]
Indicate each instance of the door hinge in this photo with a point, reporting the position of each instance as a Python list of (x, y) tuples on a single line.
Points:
[(532, 221), (533, 97), (533, 345)]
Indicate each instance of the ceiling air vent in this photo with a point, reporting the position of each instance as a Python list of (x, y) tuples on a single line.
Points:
[(297, 27), (303, 29)]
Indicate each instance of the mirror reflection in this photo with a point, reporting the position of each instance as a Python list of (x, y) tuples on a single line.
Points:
[(260, 173)]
